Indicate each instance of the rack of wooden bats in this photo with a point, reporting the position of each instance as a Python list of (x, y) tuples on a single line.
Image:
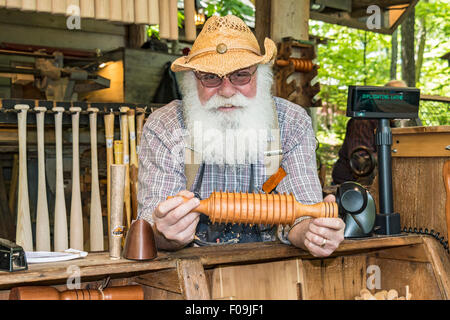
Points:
[(123, 151), (162, 12)]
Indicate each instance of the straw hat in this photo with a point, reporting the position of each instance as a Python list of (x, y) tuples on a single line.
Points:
[(224, 45)]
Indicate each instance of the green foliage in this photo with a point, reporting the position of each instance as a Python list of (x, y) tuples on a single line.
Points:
[(342, 63), (435, 73), (224, 7)]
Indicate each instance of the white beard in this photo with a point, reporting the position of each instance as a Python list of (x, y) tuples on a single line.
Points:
[(234, 137)]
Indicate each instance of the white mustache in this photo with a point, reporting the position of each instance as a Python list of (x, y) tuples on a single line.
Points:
[(217, 101)]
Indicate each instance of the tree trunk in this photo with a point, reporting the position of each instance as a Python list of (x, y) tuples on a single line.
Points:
[(422, 37), (394, 55), (407, 43)]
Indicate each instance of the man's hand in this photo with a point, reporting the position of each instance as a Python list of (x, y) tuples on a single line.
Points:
[(319, 236), (174, 224), (324, 235)]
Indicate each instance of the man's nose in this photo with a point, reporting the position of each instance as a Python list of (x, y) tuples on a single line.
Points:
[(226, 89)]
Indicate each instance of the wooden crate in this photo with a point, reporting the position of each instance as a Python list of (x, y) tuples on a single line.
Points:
[(418, 158)]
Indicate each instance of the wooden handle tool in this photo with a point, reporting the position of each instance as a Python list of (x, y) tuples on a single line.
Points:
[(42, 218), (102, 9), (255, 208), (58, 7), (133, 292), (189, 20), (29, 5), (44, 6), (300, 65), (24, 236), (87, 8), (141, 11), (116, 230), (446, 174), (115, 7), (96, 219), (60, 224), (164, 19), (133, 163), (76, 212), (126, 162), (118, 152), (173, 19), (128, 11), (109, 137), (153, 11), (140, 118)]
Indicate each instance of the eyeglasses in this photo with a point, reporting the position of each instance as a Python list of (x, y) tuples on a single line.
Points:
[(237, 78)]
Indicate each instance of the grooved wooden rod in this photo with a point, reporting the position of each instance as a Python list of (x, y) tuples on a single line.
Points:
[(260, 208)]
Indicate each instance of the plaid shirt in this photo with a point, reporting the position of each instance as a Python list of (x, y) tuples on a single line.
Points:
[(161, 163)]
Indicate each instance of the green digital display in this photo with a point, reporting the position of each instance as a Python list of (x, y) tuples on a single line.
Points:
[(383, 102), (382, 96)]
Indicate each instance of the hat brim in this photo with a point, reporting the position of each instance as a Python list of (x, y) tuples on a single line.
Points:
[(223, 64)]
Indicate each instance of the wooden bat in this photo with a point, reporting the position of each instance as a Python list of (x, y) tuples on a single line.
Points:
[(42, 218), (133, 292), (140, 11), (153, 12), (133, 163), (29, 5), (117, 193), (24, 236), (60, 224), (13, 184), (87, 8), (109, 137), (13, 4), (58, 7), (96, 223), (140, 117), (446, 176), (189, 20), (73, 3), (118, 152), (126, 162), (76, 212), (115, 10), (44, 6), (102, 9), (164, 19), (132, 131), (173, 19), (128, 11)]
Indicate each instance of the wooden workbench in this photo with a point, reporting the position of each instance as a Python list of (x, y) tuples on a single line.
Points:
[(260, 271)]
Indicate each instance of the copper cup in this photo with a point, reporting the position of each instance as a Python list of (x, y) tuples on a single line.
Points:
[(140, 242)]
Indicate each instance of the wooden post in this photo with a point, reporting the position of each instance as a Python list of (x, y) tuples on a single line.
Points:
[(191, 276), (288, 18)]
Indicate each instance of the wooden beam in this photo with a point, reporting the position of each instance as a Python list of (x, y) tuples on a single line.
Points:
[(192, 279), (262, 20), (441, 265), (166, 279)]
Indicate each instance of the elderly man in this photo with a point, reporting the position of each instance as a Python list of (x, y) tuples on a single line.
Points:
[(229, 123)]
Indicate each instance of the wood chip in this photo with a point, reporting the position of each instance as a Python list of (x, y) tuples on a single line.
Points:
[(392, 294)]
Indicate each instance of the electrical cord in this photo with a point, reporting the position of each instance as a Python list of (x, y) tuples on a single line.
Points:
[(430, 233)]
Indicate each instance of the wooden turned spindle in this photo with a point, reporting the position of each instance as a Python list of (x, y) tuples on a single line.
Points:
[(300, 65), (260, 208)]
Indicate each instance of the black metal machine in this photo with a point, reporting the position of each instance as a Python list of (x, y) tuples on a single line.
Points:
[(384, 103), (12, 256)]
